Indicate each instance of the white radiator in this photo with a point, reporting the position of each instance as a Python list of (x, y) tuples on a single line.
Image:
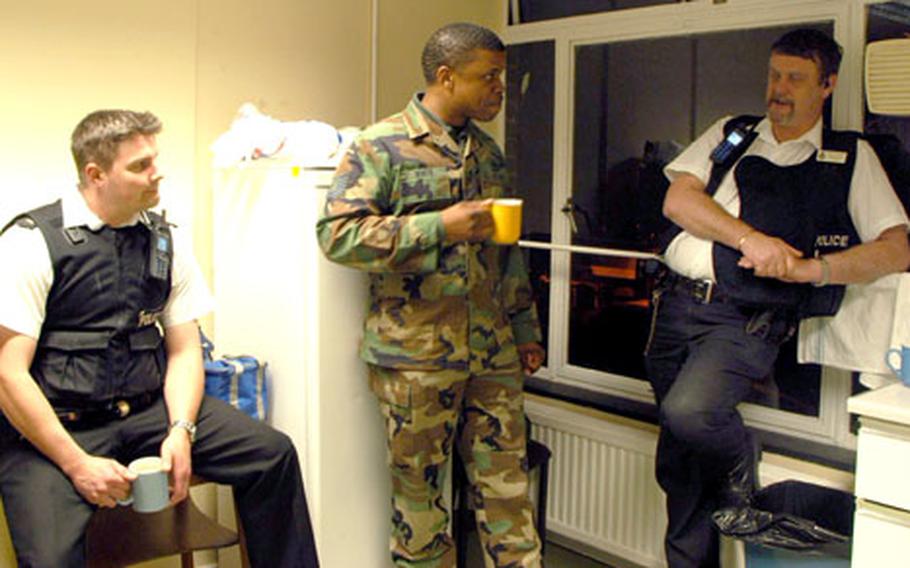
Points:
[(602, 490)]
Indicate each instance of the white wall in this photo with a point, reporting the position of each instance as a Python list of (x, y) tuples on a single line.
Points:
[(398, 54), (60, 60), (294, 59), (191, 62)]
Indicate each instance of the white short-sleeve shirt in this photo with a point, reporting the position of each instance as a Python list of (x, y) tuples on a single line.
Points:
[(27, 274), (872, 204)]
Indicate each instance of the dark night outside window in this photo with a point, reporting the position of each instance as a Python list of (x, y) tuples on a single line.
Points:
[(637, 104)]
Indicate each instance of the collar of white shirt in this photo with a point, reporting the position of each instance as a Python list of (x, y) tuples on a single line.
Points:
[(813, 136), (76, 213)]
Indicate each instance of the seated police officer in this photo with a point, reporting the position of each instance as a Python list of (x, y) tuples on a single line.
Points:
[(87, 380), (774, 215)]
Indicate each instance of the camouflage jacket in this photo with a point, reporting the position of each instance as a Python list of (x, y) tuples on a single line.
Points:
[(432, 305)]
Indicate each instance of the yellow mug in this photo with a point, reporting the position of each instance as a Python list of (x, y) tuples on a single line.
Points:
[(506, 220)]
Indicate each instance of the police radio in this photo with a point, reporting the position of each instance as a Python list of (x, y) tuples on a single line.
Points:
[(728, 146), (160, 248), (731, 148)]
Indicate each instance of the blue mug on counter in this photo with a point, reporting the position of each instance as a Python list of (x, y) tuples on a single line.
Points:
[(903, 370)]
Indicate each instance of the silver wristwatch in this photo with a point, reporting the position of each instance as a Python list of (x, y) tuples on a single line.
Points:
[(186, 425)]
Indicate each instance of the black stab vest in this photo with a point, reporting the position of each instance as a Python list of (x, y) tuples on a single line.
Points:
[(806, 206), (100, 339)]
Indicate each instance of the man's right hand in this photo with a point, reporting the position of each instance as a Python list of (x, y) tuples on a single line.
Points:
[(767, 256), (468, 221), (101, 481)]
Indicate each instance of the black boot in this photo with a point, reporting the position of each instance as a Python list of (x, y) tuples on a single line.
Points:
[(741, 482), (735, 514)]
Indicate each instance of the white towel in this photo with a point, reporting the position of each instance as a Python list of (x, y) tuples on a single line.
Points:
[(872, 318), (900, 331)]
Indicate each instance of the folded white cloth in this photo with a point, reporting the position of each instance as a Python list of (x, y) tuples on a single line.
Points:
[(876, 380), (872, 318), (900, 331), (254, 135)]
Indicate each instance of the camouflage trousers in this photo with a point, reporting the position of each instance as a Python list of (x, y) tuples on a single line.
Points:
[(426, 412)]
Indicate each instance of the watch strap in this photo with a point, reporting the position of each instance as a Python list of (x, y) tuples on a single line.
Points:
[(185, 425)]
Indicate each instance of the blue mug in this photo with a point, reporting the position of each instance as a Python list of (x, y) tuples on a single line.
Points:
[(902, 371)]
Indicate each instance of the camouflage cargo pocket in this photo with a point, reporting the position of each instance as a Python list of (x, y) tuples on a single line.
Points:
[(505, 356), (393, 394)]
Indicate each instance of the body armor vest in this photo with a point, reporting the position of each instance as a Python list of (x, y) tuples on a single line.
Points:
[(803, 204), (100, 339)]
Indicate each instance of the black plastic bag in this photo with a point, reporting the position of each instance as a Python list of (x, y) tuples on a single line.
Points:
[(794, 515)]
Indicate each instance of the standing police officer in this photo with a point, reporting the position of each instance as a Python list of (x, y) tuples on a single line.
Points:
[(451, 323), (88, 382), (804, 210)]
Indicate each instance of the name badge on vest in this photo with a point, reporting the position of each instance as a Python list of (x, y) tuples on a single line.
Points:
[(832, 156)]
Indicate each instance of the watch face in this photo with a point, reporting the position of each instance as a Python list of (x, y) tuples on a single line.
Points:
[(185, 425)]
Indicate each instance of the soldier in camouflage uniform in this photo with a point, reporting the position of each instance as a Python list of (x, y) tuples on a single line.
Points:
[(451, 324)]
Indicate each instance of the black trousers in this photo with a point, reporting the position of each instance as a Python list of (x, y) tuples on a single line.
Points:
[(702, 360), (47, 517)]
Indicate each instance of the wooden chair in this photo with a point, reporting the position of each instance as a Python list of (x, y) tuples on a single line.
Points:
[(120, 537), (7, 556)]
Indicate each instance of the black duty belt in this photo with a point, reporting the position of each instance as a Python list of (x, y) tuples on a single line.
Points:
[(702, 291), (116, 409)]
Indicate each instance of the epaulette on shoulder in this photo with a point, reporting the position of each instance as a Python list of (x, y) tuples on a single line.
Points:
[(24, 221)]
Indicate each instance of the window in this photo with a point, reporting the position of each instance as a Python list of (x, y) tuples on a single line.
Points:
[(529, 139), (594, 112), (637, 105), (525, 11)]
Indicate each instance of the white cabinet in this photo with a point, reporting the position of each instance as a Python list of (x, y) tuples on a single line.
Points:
[(881, 532), (881, 536), (279, 299), (883, 463)]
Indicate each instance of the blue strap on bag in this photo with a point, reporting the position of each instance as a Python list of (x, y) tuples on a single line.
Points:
[(242, 380)]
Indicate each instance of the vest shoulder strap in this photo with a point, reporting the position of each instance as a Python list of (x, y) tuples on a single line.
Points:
[(745, 123), (50, 214), (741, 121), (844, 140)]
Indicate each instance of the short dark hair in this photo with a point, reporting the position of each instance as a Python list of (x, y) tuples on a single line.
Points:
[(452, 45), (98, 135), (811, 44)]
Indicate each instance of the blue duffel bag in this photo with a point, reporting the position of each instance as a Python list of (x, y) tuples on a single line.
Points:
[(240, 380)]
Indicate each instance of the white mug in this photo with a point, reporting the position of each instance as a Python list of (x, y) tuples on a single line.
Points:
[(149, 492)]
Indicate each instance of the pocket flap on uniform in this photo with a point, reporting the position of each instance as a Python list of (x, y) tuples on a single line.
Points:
[(145, 338), (390, 391), (75, 340), (424, 187)]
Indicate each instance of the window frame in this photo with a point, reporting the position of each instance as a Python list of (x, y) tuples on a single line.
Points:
[(832, 425)]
